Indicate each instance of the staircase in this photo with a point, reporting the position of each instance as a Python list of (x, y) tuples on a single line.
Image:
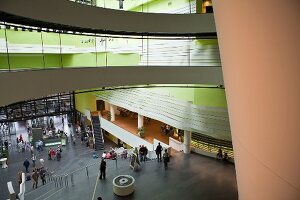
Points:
[(99, 141)]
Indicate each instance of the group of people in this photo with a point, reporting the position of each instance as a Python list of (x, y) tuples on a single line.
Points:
[(111, 154), (167, 129), (36, 174), (143, 151), (52, 153), (166, 156), (222, 156)]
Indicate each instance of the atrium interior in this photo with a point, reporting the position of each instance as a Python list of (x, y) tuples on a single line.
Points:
[(93, 87)]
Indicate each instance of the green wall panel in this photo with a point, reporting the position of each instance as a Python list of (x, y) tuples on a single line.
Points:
[(22, 61), (130, 59), (3, 62), (210, 97), (85, 101)]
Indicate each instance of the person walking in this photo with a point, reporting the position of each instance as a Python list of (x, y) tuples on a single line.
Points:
[(31, 148), (52, 153), (145, 153), (26, 165), (166, 158), (102, 169), (35, 178), (33, 160), (158, 151), (43, 175)]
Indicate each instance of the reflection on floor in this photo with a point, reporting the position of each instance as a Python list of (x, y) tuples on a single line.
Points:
[(188, 177), (152, 128)]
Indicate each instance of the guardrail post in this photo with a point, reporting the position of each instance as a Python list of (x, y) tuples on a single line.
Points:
[(55, 181), (72, 179), (61, 183), (87, 171), (66, 180)]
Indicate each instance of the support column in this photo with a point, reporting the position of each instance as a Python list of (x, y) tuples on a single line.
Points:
[(187, 142), (140, 121), (112, 112), (259, 46)]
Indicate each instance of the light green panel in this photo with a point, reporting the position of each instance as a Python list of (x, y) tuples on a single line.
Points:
[(114, 4), (50, 38), (123, 59), (3, 56), (89, 60), (3, 61), (79, 60), (22, 61), (35, 61), (23, 37), (204, 42), (158, 6), (85, 101), (210, 97), (101, 59), (185, 94), (52, 61)]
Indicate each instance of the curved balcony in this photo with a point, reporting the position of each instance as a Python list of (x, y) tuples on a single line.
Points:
[(70, 16), (153, 6), (96, 60), (181, 52)]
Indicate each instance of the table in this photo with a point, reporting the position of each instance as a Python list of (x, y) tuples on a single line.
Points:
[(3, 161)]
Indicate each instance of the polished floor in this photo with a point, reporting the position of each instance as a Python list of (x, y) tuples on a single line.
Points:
[(189, 177), (152, 128)]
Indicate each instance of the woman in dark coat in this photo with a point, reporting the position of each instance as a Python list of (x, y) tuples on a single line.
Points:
[(166, 158)]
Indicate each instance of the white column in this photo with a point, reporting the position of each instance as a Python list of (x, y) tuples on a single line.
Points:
[(112, 112), (140, 121), (187, 142), (259, 47)]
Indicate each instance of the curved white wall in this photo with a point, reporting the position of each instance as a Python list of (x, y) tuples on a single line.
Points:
[(18, 86), (76, 15), (213, 122)]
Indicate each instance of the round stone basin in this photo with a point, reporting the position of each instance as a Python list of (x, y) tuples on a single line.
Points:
[(123, 185)]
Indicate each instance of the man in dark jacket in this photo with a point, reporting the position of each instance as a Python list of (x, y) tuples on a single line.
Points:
[(43, 175), (158, 151), (102, 169), (26, 165)]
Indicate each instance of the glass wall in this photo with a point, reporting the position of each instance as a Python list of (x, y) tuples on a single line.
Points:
[(32, 48), (148, 6)]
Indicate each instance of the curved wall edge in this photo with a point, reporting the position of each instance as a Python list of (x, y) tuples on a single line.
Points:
[(23, 85), (70, 14)]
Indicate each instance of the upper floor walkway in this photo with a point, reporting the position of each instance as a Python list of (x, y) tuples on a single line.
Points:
[(67, 15), (40, 38)]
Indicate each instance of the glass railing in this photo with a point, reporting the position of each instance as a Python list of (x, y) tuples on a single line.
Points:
[(39, 48), (152, 6)]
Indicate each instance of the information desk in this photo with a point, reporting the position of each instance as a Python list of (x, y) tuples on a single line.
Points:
[(52, 142)]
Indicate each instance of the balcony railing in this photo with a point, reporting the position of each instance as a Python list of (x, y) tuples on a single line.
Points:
[(147, 6), (23, 47)]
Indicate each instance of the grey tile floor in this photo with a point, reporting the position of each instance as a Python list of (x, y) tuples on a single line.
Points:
[(189, 177)]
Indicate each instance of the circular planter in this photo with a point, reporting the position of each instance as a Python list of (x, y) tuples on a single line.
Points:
[(123, 185)]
